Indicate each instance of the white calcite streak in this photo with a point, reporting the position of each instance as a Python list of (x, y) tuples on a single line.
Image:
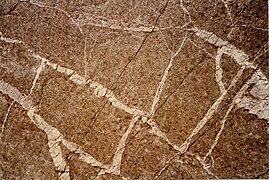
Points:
[(73, 22), (38, 71), (223, 48), (15, 94), (113, 26), (121, 147), (117, 158), (205, 166), (154, 127), (210, 112), (219, 72), (185, 10), (55, 138), (238, 96), (261, 89), (228, 11), (261, 104), (83, 156), (52, 133), (54, 141), (63, 70), (53, 66), (116, 103), (258, 104), (156, 131), (85, 56), (99, 90), (77, 79), (185, 145), (9, 40), (43, 5), (163, 80), (5, 119), (239, 56)]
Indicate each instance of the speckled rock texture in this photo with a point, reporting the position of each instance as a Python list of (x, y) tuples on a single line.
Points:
[(110, 89)]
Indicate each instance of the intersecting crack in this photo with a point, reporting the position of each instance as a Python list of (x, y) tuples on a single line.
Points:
[(257, 82)]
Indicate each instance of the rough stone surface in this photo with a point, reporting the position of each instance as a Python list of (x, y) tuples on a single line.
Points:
[(149, 89)]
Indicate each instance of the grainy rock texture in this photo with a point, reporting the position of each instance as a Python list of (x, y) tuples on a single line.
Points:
[(109, 89)]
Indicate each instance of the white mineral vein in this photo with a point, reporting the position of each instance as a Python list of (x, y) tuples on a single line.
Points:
[(224, 48), (99, 89), (53, 135), (164, 77), (117, 158)]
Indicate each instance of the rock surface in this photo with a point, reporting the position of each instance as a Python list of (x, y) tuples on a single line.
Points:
[(149, 89)]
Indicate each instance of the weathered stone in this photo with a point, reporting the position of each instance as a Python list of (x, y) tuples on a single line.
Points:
[(134, 89)]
